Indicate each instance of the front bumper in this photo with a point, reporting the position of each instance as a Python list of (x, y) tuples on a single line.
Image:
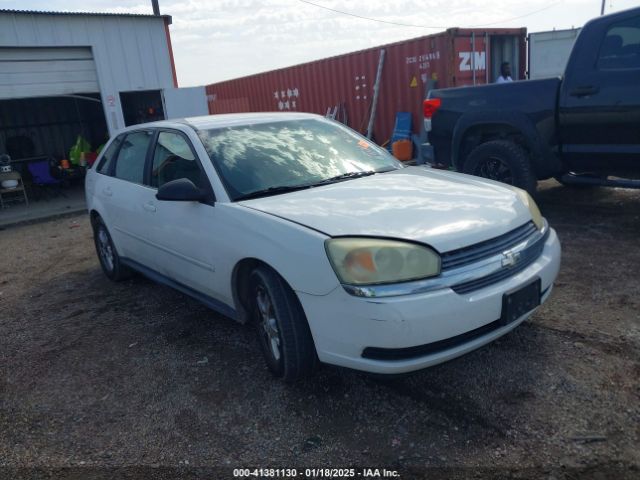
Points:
[(343, 326)]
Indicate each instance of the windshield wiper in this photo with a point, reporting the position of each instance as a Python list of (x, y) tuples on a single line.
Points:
[(346, 176), (272, 191), (292, 188)]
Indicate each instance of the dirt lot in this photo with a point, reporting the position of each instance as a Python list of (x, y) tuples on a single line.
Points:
[(96, 375)]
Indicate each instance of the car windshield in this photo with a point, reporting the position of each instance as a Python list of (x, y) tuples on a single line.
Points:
[(271, 158)]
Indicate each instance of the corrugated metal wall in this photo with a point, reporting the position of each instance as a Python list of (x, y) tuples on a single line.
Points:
[(345, 83), (130, 53), (40, 71)]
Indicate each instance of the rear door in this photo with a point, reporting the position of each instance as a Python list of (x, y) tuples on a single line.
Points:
[(99, 187), (600, 99), (129, 198)]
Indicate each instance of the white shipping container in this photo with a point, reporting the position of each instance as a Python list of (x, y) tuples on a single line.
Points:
[(549, 52), (185, 102)]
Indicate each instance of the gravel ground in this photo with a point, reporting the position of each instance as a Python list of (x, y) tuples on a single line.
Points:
[(104, 379)]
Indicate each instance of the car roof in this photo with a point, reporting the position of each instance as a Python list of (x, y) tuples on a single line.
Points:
[(234, 119), (207, 122)]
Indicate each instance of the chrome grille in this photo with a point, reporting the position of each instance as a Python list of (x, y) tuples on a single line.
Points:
[(527, 257), (468, 255)]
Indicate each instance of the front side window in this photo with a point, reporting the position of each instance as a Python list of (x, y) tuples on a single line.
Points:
[(132, 156), (107, 158), (271, 157), (620, 48), (174, 159)]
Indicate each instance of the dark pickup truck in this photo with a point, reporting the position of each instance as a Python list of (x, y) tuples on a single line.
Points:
[(581, 128)]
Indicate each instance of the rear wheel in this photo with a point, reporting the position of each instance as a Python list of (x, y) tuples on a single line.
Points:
[(282, 328), (503, 161), (107, 254)]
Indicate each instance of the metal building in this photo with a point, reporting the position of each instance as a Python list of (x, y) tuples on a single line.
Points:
[(69, 81), (46, 54), (68, 74)]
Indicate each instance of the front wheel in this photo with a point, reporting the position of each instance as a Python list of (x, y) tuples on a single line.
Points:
[(503, 161), (282, 328)]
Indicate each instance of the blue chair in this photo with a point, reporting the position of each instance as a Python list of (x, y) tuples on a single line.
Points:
[(41, 176), (403, 127)]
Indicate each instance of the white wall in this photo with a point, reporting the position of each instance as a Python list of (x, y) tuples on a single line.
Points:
[(185, 102), (549, 52), (130, 53)]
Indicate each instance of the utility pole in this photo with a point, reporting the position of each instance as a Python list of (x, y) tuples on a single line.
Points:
[(602, 7)]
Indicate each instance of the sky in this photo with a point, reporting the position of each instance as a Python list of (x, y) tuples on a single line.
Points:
[(215, 40)]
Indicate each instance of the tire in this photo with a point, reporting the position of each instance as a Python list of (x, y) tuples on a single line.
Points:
[(107, 253), (503, 161), (281, 326)]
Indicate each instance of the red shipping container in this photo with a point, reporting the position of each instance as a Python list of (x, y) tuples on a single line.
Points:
[(344, 85)]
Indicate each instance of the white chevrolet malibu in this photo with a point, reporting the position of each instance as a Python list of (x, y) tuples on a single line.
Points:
[(334, 250)]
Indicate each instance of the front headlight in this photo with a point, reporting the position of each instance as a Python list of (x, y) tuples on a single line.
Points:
[(536, 216), (368, 261)]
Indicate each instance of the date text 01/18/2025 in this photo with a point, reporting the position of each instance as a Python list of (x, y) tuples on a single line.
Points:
[(315, 473)]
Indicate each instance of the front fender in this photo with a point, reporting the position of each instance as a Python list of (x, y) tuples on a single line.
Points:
[(296, 252)]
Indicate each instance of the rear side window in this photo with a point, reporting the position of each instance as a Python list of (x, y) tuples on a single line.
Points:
[(620, 48), (107, 159), (132, 156)]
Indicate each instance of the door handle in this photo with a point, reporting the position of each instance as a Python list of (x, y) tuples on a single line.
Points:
[(149, 207), (107, 191), (584, 91)]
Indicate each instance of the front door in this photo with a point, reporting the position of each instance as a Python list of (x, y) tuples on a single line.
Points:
[(183, 233), (600, 101)]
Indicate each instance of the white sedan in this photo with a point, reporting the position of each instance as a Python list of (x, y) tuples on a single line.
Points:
[(334, 250)]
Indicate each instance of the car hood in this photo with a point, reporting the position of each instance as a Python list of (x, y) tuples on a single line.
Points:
[(442, 209)]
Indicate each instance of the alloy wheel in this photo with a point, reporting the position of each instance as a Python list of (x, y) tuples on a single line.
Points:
[(105, 249), (494, 168), (268, 323)]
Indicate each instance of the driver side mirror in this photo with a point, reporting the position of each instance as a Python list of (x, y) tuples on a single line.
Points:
[(180, 190)]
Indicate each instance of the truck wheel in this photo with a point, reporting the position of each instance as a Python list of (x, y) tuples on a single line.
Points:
[(281, 325), (503, 161)]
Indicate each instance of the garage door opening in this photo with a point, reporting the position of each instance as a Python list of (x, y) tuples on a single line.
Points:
[(48, 99), (38, 135)]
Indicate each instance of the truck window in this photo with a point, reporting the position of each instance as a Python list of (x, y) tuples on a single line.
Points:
[(620, 48)]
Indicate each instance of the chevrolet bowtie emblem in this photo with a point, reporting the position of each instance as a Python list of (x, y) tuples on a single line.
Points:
[(509, 259)]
